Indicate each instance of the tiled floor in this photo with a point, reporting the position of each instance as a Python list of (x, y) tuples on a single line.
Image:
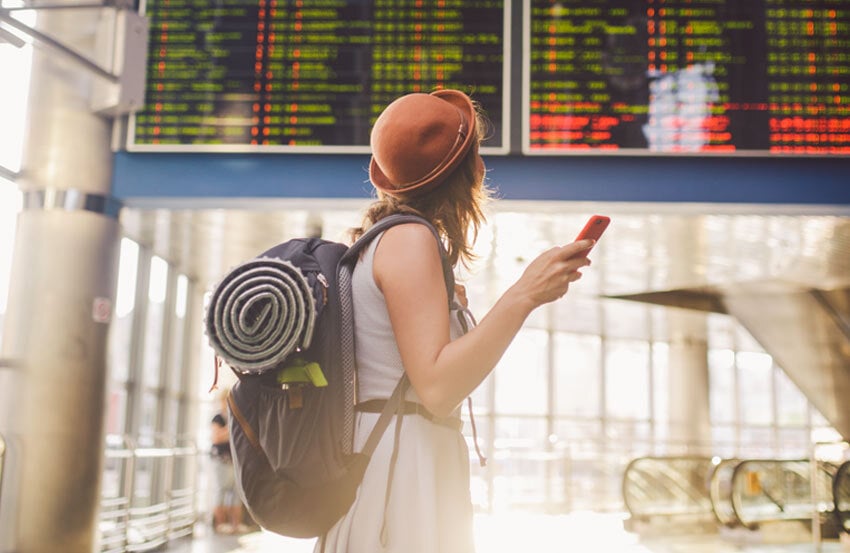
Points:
[(576, 533)]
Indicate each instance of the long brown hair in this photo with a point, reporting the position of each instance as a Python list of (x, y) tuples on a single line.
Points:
[(455, 207)]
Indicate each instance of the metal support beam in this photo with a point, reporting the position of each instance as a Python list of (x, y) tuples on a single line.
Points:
[(42, 39), (36, 7), (8, 174), (11, 38)]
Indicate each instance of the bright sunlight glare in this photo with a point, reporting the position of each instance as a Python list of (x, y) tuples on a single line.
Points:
[(10, 206), (508, 532), (16, 64)]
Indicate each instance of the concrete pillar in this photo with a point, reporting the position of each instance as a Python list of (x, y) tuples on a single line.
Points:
[(62, 288), (690, 415), (689, 410)]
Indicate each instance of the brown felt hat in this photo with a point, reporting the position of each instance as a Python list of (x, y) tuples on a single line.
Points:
[(419, 139)]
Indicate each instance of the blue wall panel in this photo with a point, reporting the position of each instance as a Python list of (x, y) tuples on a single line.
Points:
[(592, 178)]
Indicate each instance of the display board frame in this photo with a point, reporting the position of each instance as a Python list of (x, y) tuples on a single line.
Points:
[(507, 47), (528, 150)]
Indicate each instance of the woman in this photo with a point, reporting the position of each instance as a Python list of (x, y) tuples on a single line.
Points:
[(425, 160)]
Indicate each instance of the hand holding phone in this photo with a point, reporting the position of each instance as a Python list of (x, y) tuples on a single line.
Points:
[(593, 230)]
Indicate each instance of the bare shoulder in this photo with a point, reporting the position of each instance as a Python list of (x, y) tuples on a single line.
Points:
[(407, 236), (408, 249)]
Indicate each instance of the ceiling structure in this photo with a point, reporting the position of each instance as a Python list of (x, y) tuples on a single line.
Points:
[(784, 276), (671, 246)]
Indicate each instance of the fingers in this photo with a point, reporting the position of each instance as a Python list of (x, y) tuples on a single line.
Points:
[(570, 271), (460, 292), (574, 263), (576, 248)]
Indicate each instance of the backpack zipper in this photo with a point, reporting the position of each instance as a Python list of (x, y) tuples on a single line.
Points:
[(324, 282)]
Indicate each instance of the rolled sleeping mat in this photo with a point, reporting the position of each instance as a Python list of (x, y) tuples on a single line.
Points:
[(261, 312)]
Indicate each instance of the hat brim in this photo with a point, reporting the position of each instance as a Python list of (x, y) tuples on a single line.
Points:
[(463, 103)]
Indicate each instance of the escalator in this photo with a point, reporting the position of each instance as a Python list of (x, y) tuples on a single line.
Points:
[(841, 495), (704, 494), (771, 491), (668, 492)]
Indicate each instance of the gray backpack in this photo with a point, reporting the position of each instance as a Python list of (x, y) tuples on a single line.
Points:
[(284, 324)]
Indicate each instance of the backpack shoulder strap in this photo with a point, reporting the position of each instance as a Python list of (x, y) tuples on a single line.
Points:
[(354, 250), (345, 268), (387, 413)]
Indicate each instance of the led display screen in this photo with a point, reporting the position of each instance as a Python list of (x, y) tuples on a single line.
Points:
[(755, 77), (311, 75)]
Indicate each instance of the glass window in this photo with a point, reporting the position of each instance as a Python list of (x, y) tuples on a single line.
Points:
[(481, 396), (630, 436), (17, 66), (176, 360), (755, 374), (516, 249), (721, 374), (521, 376), (794, 442), (176, 363), (631, 253), (519, 467), (149, 414), (624, 319), (577, 375), (795, 406), (577, 314), (155, 320), (116, 410), (721, 331), (573, 434), (758, 441), (724, 439), (520, 433), (121, 329), (661, 387), (627, 379), (171, 416), (181, 299), (10, 206)]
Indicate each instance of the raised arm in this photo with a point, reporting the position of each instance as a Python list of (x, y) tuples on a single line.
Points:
[(443, 372)]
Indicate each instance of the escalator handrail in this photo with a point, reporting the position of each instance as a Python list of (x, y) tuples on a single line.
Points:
[(714, 495), (632, 509)]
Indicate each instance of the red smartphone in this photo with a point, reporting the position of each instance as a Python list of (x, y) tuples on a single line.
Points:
[(594, 228)]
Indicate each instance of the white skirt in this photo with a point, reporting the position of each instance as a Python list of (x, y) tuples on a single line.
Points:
[(429, 508)]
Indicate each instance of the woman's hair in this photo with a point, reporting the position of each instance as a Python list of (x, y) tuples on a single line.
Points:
[(455, 207)]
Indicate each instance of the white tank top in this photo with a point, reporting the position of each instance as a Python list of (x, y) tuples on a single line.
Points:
[(379, 365)]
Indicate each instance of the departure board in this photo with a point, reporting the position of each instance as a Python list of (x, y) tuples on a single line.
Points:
[(754, 77), (311, 75)]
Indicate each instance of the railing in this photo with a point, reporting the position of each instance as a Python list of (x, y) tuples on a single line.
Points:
[(148, 494), (779, 490), (116, 495), (720, 492), (582, 475), (574, 474), (841, 495), (674, 489)]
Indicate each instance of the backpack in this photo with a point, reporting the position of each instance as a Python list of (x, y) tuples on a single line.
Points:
[(283, 322)]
